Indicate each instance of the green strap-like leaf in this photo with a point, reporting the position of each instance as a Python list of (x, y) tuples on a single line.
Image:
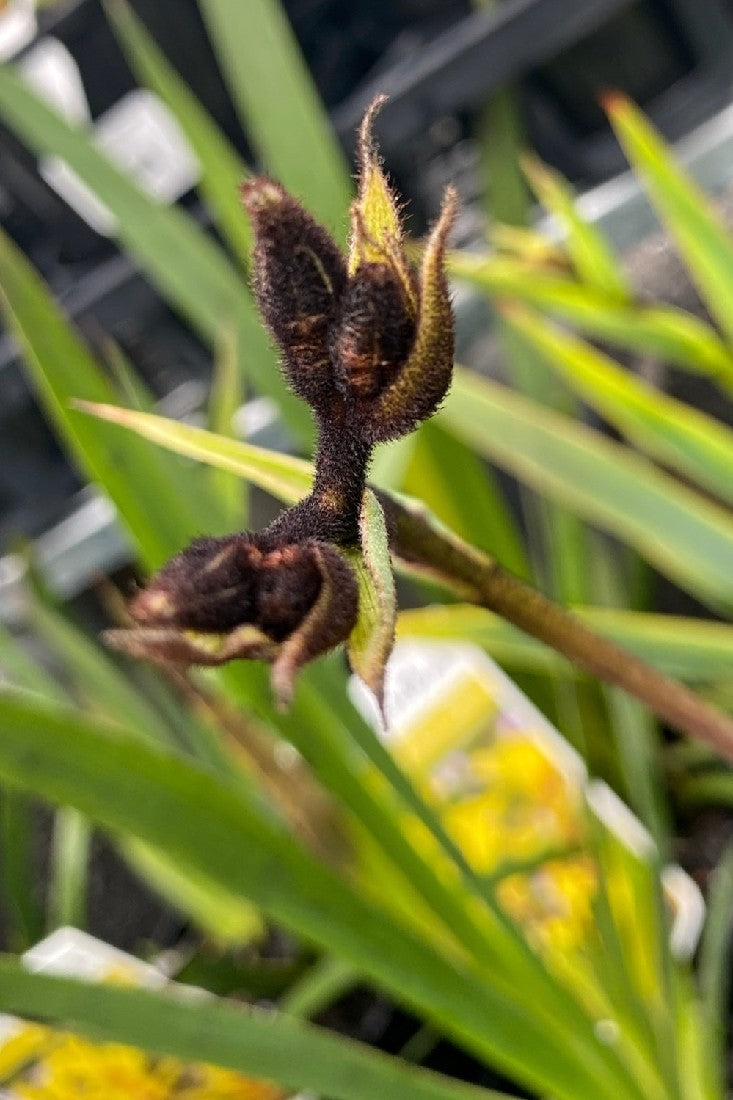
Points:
[(222, 169), (150, 506), (225, 398), (669, 430), (701, 237), (715, 960), (279, 105), (204, 823), (187, 266), (94, 676), (685, 536), (463, 492), (689, 649), (663, 331), (287, 478), (209, 1029), (593, 259)]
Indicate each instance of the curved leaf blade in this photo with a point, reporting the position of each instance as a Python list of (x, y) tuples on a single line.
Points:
[(693, 650), (669, 430), (295, 1054), (372, 639), (278, 102), (60, 366), (685, 536), (593, 259), (288, 479), (222, 169), (191, 271), (701, 237), (204, 823), (664, 331)]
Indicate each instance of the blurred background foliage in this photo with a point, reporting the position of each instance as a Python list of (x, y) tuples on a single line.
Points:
[(298, 860)]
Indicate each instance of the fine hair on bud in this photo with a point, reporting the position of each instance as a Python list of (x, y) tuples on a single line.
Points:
[(367, 341), (299, 276)]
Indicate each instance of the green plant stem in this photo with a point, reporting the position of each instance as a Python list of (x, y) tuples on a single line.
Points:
[(483, 581)]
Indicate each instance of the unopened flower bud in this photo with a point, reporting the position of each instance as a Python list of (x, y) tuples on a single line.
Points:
[(368, 342), (369, 332), (375, 332), (392, 343), (298, 277), (223, 598)]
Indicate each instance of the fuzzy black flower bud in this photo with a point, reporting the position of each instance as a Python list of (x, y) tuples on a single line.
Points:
[(223, 598), (299, 276), (368, 342), (369, 331), (374, 334)]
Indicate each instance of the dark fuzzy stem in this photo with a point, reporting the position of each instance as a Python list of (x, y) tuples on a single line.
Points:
[(484, 582), (331, 512)]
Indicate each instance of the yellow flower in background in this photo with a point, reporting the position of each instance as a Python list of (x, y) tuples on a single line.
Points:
[(515, 808), (38, 1063), (554, 904)]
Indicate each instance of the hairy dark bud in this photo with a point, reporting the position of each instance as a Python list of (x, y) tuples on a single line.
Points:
[(366, 331), (368, 342), (299, 276), (374, 333), (223, 598)]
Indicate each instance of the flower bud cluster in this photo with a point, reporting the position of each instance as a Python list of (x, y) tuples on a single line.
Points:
[(366, 332), (367, 341)]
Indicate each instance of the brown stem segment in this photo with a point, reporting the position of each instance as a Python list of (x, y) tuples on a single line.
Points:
[(448, 560), (331, 512)]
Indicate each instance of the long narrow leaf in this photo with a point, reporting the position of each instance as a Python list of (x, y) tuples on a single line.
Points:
[(448, 477), (222, 169), (669, 333), (21, 905), (701, 237), (190, 270), (204, 823), (698, 446), (690, 649), (715, 957), (18, 668), (94, 676), (60, 368), (685, 536), (593, 259), (279, 104), (225, 398), (285, 477), (285, 1050), (67, 898)]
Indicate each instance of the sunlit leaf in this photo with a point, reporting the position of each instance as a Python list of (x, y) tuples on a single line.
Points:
[(465, 495), (690, 649), (666, 332), (191, 271), (701, 236), (698, 446), (208, 1029), (222, 169), (205, 824), (152, 509), (226, 397), (285, 477), (594, 261), (278, 102), (227, 920), (681, 533)]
